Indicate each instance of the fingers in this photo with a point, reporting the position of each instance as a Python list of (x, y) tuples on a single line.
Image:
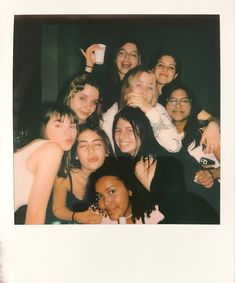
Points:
[(83, 52), (204, 178)]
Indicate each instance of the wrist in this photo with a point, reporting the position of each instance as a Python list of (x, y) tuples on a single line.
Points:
[(89, 68)]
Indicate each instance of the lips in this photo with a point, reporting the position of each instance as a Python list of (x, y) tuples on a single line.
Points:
[(93, 160)]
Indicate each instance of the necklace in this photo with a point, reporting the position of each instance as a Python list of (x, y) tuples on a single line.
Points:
[(122, 219)]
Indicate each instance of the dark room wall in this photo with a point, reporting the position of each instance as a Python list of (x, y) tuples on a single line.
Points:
[(195, 39)]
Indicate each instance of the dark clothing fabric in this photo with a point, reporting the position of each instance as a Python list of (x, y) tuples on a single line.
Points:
[(110, 88), (204, 204), (75, 204), (167, 190)]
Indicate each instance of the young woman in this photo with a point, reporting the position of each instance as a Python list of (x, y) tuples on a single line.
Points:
[(36, 164), (181, 106), (139, 91), (166, 69), (158, 178), (125, 56), (71, 199), (116, 198), (84, 99)]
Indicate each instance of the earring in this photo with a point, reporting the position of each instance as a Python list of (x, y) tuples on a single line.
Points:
[(76, 157)]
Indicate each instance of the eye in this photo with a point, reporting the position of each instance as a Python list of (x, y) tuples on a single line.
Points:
[(95, 102), (150, 88), (117, 130), (58, 125), (112, 192), (83, 98), (160, 65), (122, 52), (73, 126), (98, 144), (172, 68), (134, 56)]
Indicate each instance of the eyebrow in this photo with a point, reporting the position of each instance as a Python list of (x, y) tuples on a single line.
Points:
[(127, 51), (95, 140)]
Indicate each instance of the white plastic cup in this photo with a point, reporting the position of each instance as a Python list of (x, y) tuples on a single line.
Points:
[(99, 54)]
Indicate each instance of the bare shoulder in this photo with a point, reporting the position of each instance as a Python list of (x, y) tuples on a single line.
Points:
[(50, 148), (59, 181)]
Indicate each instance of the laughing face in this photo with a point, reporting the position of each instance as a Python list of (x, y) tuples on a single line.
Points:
[(125, 138), (127, 58), (165, 70), (178, 105), (113, 197)]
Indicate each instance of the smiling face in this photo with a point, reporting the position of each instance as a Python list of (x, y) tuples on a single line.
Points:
[(127, 58), (84, 102), (165, 70), (178, 105), (125, 138), (61, 130), (113, 197), (144, 84), (90, 150)]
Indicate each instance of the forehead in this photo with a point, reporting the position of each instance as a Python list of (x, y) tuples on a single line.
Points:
[(105, 182), (89, 91), (64, 118), (123, 123), (179, 93), (129, 47), (143, 77), (88, 135), (167, 59)]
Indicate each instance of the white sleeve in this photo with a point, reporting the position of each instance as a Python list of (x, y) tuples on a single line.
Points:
[(107, 124), (164, 130)]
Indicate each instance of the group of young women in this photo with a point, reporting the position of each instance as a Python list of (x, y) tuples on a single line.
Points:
[(127, 148)]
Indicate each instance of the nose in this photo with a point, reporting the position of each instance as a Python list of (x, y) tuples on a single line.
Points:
[(68, 130), (106, 202), (88, 106), (90, 148)]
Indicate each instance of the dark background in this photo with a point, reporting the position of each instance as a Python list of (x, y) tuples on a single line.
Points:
[(46, 54)]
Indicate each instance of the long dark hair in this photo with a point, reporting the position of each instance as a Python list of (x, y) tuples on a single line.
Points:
[(114, 77), (48, 109), (112, 167), (142, 130), (191, 129), (158, 55)]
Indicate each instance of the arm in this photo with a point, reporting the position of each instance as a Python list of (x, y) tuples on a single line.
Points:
[(62, 212), (107, 123), (163, 128), (208, 176), (46, 162), (211, 134)]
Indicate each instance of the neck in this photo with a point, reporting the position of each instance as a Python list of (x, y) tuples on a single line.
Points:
[(179, 125), (159, 89), (85, 172), (121, 75)]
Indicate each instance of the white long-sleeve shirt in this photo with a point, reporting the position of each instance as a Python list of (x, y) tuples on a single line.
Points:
[(163, 128)]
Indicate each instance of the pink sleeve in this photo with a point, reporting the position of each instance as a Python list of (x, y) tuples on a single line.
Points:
[(155, 217)]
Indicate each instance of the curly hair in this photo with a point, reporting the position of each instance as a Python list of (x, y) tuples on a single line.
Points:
[(141, 207), (77, 85)]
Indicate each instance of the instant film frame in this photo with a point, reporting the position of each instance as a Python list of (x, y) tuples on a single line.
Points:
[(191, 254)]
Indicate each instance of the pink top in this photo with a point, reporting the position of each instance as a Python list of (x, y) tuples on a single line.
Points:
[(155, 217)]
